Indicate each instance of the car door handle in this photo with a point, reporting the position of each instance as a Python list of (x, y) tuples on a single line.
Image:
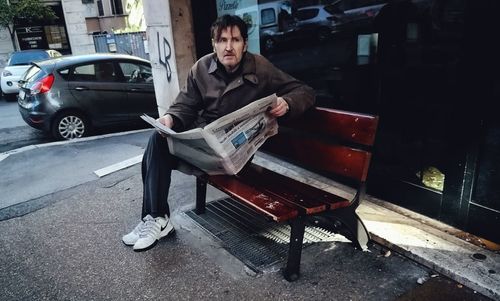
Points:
[(135, 89), (79, 88)]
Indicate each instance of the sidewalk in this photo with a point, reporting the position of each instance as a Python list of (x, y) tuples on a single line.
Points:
[(70, 248), (427, 241)]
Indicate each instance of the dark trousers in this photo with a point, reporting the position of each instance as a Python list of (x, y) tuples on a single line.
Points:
[(157, 166)]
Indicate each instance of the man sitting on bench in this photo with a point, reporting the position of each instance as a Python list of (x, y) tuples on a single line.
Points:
[(217, 84)]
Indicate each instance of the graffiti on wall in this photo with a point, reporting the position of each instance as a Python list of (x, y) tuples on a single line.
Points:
[(167, 53)]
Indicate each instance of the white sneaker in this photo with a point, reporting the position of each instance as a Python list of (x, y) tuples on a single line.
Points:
[(152, 230), (130, 238)]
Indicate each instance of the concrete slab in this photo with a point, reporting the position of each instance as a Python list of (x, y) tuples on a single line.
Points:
[(434, 248)]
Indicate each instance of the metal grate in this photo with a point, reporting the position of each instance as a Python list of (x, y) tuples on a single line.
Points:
[(247, 235)]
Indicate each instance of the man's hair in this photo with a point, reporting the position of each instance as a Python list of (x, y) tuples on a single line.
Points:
[(226, 21)]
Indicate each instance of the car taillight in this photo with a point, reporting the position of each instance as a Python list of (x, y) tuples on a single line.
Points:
[(43, 85)]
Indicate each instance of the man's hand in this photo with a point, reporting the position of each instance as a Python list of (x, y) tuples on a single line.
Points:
[(280, 109), (167, 121)]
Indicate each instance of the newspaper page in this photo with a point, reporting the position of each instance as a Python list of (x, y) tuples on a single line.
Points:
[(225, 145)]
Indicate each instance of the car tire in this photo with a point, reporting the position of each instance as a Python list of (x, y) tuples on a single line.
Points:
[(70, 125), (9, 97)]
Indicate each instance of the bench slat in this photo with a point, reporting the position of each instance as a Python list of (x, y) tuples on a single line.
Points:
[(348, 126), (342, 160), (271, 205), (308, 199), (283, 188)]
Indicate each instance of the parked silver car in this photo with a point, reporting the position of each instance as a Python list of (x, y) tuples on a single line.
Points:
[(341, 16), (18, 63), (314, 21), (69, 96)]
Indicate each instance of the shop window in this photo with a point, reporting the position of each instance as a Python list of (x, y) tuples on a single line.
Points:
[(56, 37)]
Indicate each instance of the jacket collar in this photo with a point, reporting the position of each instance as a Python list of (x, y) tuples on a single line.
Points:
[(249, 67)]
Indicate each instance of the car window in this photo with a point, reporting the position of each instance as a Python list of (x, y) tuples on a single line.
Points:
[(267, 16), (136, 73), (306, 14), (64, 73), (104, 72), (84, 73), (54, 53), (26, 58)]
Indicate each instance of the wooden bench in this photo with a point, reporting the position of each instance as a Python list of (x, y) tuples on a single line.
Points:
[(324, 140)]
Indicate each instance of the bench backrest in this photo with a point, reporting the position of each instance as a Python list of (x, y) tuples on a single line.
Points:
[(328, 140)]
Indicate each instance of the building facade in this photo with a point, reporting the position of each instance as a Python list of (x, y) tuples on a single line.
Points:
[(420, 65), (77, 21)]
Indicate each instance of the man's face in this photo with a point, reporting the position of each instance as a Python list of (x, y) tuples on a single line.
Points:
[(230, 48)]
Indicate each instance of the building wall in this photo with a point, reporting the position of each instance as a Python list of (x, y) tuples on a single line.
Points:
[(75, 12), (171, 51), (5, 47), (111, 23), (182, 24)]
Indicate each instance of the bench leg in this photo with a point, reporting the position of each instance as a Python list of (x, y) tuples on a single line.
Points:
[(355, 226), (292, 269), (201, 195), (344, 220)]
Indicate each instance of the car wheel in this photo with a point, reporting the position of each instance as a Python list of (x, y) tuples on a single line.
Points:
[(70, 125), (9, 97)]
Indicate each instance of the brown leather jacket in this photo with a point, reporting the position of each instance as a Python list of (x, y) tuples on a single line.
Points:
[(206, 96)]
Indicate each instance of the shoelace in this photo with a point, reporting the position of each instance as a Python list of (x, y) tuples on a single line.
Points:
[(138, 228), (149, 228)]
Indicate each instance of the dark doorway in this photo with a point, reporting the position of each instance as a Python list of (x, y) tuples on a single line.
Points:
[(204, 13)]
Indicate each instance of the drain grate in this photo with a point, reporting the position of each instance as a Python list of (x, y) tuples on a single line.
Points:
[(247, 235)]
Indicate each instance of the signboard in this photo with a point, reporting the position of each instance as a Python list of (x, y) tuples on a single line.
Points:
[(31, 37), (248, 11)]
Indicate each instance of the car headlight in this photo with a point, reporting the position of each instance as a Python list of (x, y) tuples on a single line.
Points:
[(6, 73)]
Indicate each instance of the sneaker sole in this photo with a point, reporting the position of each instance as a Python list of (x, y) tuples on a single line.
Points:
[(128, 244), (169, 229)]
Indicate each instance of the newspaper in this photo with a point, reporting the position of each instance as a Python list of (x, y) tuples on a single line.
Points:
[(225, 145)]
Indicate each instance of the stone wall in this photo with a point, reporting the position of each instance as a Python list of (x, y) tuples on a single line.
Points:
[(75, 12)]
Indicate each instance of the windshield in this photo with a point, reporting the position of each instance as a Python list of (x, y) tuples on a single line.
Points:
[(26, 58)]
